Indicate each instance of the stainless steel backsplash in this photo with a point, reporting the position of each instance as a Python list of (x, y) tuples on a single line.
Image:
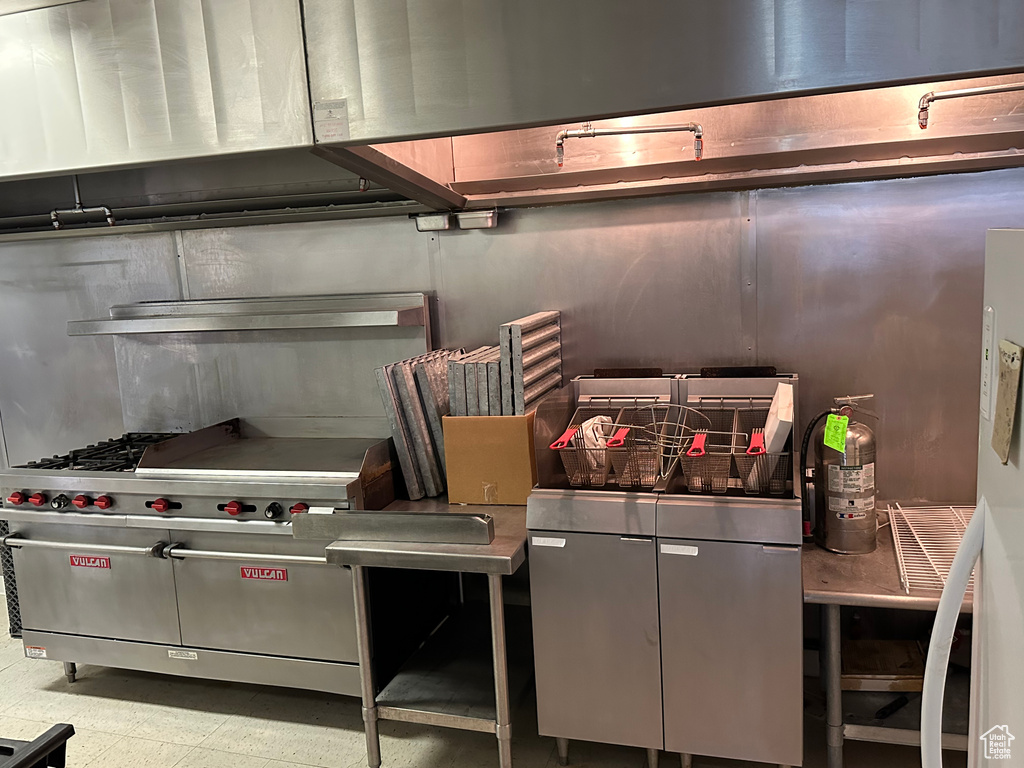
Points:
[(861, 287)]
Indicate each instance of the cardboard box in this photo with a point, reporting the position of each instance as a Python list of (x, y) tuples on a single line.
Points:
[(489, 459)]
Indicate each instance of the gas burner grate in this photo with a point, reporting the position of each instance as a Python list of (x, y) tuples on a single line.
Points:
[(926, 540), (121, 454)]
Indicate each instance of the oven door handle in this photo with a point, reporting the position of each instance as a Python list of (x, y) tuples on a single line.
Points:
[(17, 541), (179, 552)]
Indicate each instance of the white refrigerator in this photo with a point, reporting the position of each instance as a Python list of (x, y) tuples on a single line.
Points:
[(997, 533)]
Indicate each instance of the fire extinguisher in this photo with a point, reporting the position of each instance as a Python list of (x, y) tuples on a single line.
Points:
[(844, 478)]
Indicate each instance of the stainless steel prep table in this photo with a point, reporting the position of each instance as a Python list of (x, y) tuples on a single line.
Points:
[(868, 581), (502, 557)]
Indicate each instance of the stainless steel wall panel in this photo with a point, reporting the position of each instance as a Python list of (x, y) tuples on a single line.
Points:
[(122, 82), (189, 380), (654, 283), (871, 286), (877, 287), (310, 258), (413, 68), (281, 374), (59, 392)]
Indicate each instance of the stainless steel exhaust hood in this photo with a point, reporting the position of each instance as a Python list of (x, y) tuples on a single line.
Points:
[(109, 83), (18, 6), (465, 102), (417, 68), (458, 103)]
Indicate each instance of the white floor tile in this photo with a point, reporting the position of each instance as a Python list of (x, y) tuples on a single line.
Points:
[(209, 758), (35, 693), (137, 719), (296, 727), (177, 725), (139, 753), (82, 747), (20, 729), (11, 652), (408, 745), (583, 754), (86, 746)]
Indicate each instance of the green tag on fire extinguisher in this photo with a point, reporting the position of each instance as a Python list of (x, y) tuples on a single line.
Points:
[(835, 432)]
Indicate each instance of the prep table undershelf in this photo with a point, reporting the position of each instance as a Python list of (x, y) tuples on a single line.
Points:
[(449, 681), (870, 580), (463, 676)]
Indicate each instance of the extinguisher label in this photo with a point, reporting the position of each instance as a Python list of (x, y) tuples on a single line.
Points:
[(856, 478), (851, 509)]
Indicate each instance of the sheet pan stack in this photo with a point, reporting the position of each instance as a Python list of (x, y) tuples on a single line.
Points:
[(531, 360), (474, 383), (502, 380), (507, 379), (415, 395)]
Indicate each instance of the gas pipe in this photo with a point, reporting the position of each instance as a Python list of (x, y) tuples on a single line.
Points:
[(844, 480)]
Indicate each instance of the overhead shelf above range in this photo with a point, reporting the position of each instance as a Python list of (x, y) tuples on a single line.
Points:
[(293, 366), (264, 314)]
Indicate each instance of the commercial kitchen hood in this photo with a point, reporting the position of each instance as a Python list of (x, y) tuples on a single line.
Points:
[(18, 6), (854, 135), (109, 83), (457, 103)]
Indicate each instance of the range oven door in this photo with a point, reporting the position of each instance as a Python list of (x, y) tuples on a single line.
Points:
[(95, 580), (263, 593)]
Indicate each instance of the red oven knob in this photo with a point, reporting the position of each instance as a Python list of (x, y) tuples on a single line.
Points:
[(233, 508), (81, 501), (160, 505), (38, 499), (299, 508), (16, 498), (104, 502)]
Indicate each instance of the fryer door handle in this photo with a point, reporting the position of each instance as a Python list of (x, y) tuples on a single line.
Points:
[(179, 552), (16, 541)]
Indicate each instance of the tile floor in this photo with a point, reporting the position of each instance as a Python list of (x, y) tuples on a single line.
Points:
[(126, 719), (140, 720)]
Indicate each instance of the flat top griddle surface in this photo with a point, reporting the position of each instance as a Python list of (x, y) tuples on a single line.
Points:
[(272, 457)]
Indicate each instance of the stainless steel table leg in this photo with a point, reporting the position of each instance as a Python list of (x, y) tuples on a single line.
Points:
[(70, 670), (652, 758), (503, 721), (562, 745), (833, 687), (369, 688), (686, 760)]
